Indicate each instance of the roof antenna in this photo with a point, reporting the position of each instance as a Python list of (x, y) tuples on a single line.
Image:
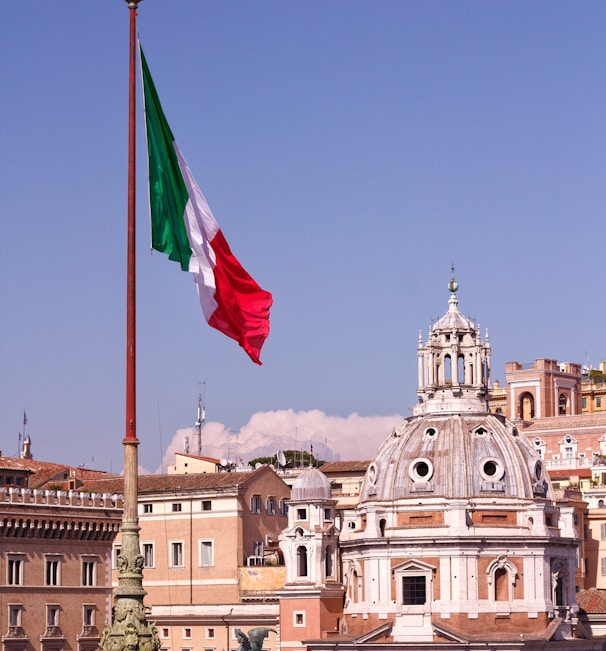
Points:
[(201, 416)]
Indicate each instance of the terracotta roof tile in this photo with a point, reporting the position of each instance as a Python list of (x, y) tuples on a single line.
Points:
[(344, 466), (592, 600), (44, 472), (565, 422), (177, 483)]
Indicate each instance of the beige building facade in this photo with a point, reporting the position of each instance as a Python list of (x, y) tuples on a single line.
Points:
[(211, 558)]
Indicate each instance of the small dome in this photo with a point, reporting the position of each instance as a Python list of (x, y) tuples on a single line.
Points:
[(311, 484)]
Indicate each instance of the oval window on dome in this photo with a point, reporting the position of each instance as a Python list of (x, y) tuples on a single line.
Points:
[(538, 471), (420, 469), (431, 432), (492, 469), (372, 473)]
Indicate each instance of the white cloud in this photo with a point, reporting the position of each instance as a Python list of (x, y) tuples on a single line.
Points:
[(332, 437)]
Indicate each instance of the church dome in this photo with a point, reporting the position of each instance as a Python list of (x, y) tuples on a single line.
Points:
[(311, 484), (455, 457), (453, 447)]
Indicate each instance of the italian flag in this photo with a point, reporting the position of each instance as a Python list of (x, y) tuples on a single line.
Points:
[(184, 228)]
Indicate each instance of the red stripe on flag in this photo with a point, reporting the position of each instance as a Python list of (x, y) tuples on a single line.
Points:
[(242, 306)]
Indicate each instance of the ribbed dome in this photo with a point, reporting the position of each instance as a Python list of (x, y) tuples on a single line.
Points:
[(455, 457), (311, 484), (453, 319)]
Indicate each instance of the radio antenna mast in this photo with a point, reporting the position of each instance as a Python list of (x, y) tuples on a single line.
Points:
[(201, 416)]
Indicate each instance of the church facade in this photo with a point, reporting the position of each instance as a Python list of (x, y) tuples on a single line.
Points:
[(458, 538)]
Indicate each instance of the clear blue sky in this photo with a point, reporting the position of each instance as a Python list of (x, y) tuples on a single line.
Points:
[(350, 152)]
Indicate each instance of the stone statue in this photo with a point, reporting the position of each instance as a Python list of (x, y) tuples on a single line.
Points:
[(254, 640)]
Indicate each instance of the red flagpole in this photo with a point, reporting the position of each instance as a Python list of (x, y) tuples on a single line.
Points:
[(131, 415), (130, 629)]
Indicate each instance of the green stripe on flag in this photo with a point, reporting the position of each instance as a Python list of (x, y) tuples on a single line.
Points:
[(167, 192)]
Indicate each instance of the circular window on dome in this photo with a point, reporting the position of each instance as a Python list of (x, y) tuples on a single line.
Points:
[(372, 473), (537, 441), (420, 469), (492, 469), (538, 471), (431, 432)]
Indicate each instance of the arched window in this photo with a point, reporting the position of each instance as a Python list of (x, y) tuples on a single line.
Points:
[(501, 575), (501, 587), (559, 583), (461, 369), (382, 523), (301, 560), (355, 587), (559, 591), (526, 406), (447, 370), (328, 562)]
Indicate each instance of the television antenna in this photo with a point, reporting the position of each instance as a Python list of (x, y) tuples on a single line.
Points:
[(201, 417)]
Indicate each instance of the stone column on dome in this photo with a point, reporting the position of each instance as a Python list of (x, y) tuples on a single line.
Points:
[(454, 358), (421, 360), (477, 366), (488, 378)]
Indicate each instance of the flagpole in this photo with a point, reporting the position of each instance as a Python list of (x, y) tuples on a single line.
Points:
[(130, 629)]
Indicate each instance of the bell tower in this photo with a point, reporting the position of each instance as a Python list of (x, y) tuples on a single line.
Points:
[(311, 603)]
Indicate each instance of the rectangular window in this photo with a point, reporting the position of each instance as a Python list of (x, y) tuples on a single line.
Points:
[(271, 506), (210, 633), (148, 554), (206, 553), (176, 507), (176, 554), (584, 403), (603, 565), (14, 615), (15, 571), (414, 591), (165, 632), (328, 514), (88, 615), (52, 571), (257, 548), (207, 505), (283, 507), (603, 530), (598, 402), (148, 508), (301, 514), (187, 633), (298, 618), (52, 615), (255, 504), (89, 571), (117, 552)]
